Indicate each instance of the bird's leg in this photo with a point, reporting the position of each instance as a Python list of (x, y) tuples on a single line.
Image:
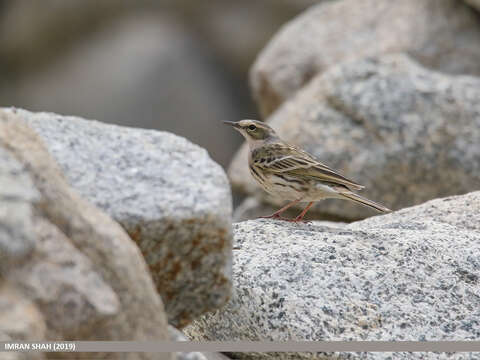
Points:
[(276, 214), (299, 218)]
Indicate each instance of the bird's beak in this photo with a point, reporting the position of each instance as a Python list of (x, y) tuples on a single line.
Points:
[(231, 123)]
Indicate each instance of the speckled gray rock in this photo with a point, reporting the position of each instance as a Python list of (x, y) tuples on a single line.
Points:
[(440, 34), (409, 275), (82, 273), (408, 134), (167, 193)]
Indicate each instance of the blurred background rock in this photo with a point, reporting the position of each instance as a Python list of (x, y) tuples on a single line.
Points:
[(184, 66), (178, 65)]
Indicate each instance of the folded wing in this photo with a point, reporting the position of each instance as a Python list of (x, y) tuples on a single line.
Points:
[(292, 161)]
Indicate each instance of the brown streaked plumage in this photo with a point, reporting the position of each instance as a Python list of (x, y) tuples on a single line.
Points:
[(286, 171)]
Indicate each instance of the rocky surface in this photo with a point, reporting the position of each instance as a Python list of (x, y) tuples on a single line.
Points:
[(77, 272), (17, 194), (408, 134), (20, 320), (440, 34), (167, 193), (409, 275)]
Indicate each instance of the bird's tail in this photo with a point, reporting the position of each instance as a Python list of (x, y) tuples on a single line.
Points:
[(364, 201)]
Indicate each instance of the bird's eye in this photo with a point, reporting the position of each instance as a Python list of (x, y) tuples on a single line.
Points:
[(252, 127)]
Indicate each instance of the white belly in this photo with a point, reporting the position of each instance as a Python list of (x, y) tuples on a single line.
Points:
[(291, 188)]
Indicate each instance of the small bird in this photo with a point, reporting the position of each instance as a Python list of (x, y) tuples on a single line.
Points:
[(290, 173)]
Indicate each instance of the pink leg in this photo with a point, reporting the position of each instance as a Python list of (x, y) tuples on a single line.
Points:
[(299, 218), (276, 215)]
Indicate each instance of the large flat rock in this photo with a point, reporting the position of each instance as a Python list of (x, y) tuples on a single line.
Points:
[(409, 275), (440, 34), (407, 133), (166, 192)]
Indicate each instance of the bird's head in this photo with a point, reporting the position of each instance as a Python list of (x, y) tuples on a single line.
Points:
[(255, 132)]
